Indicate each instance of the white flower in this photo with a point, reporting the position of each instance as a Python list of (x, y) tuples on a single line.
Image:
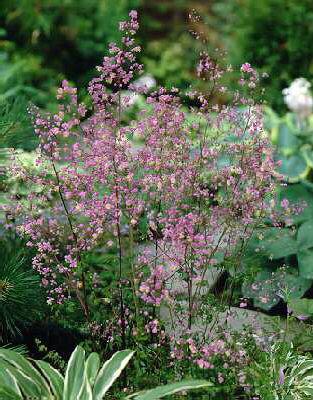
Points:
[(298, 97), (145, 80)]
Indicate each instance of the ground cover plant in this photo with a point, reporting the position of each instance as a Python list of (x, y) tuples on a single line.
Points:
[(141, 224)]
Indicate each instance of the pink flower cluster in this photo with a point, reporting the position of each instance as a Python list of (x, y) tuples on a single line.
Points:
[(152, 290), (201, 185), (218, 352)]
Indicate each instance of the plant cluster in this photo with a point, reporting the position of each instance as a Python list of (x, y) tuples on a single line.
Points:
[(84, 378), (128, 217), (283, 250), (273, 34)]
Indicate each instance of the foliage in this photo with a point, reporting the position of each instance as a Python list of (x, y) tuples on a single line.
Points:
[(33, 32), (84, 378), (273, 34), (23, 74), (288, 242), (15, 126), (53, 357), (21, 297), (166, 42), (283, 374), (293, 140), (166, 61)]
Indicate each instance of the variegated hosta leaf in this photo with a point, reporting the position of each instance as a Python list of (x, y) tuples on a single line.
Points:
[(110, 371), (74, 374), (7, 379), (300, 378), (161, 391), (55, 379), (92, 367), (85, 392), (8, 394), (31, 382), (20, 379)]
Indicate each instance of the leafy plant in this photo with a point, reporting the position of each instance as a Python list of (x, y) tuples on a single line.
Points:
[(283, 260), (301, 307), (274, 35), (33, 31), (282, 374), (292, 244), (270, 286), (294, 143), (84, 379)]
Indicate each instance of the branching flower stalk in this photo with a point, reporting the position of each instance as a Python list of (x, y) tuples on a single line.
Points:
[(82, 300), (199, 183)]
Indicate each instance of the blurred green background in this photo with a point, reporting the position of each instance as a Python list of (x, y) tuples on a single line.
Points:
[(44, 41)]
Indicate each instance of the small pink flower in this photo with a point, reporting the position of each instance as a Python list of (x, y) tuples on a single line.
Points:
[(284, 203), (246, 67)]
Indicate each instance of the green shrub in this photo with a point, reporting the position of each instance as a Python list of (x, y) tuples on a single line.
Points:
[(274, 35), (34, 32)]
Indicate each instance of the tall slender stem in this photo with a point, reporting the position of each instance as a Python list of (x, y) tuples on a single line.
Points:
[(83, 301), (133, 273), (122, 308)]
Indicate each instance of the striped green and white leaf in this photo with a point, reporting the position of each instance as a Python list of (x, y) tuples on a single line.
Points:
[(299, 379), (74, 374), (110, 371), (92, 367), (22, 378), (172, 388)]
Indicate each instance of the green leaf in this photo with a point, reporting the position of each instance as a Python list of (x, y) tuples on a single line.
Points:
[(284, 245), (303, 366), (305, 263), (307, 153), (74, 375), (287, 142), (8, 380), (85, 391), (269, 287), (166, 390), (53, 376), (110, 371), (301, 306), (27, 386), (271, 121), (26, 368), (276, 243), (293, 168), (7, 393), (305, 235), (92, 367), (297, 194), (308, 390)]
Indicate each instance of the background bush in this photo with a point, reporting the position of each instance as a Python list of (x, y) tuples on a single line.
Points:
[(46, 40), (273, 35)]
